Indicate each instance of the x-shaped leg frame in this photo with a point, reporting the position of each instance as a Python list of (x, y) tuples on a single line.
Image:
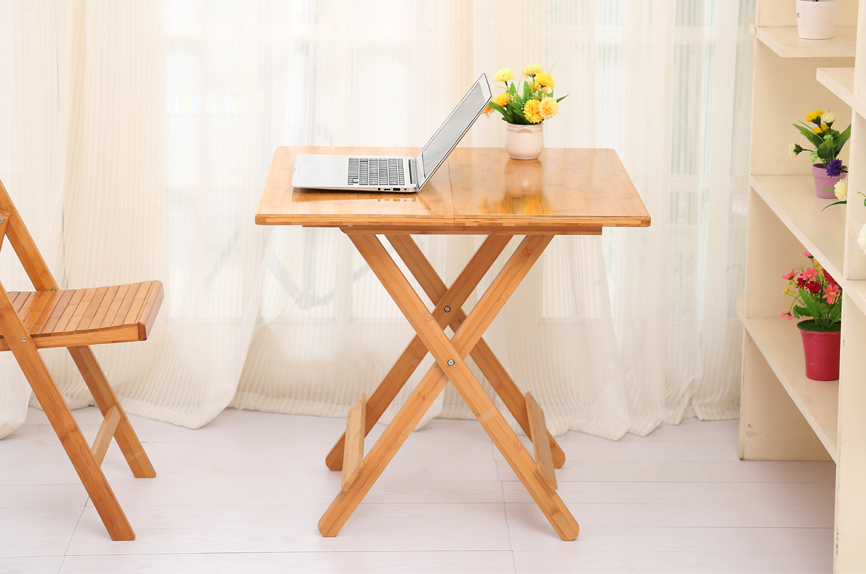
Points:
[(449, 355)]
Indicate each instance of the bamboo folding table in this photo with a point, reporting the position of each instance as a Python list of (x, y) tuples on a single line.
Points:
[(478, 191)]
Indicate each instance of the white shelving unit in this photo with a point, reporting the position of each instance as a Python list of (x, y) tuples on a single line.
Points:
[(783, 414)]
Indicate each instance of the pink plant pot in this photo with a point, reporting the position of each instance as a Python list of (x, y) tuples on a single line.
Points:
[(823, 181), (822, 353)]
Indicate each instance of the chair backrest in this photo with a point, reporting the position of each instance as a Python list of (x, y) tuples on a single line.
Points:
[(25, 248)]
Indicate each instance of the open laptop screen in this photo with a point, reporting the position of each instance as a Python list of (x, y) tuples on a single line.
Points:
[(454, 128)]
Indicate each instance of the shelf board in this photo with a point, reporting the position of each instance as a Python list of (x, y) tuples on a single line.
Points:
[(792, 198), (856, 289), (860, 106), (779, 341), (783, 40), (840, 81)]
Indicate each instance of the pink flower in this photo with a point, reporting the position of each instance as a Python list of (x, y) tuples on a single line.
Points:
[(810, 274), (790, 275), (831, 293), (787, 316), (807, 254)]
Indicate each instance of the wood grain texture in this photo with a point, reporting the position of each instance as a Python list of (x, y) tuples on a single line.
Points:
[(411, 357), (281, 204), (478, 190), (25, 247), (482, 354), (67, 430), (563, 187), (4, 221), (105, 434), (353, 454), (81, 317), (450, 365), (48, 317), (105, 398), (541, 447)]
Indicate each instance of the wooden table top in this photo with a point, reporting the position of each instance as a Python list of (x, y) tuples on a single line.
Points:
[(477, 190)]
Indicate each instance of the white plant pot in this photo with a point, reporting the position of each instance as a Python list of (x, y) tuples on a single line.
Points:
[(524, 142), (816, 20)]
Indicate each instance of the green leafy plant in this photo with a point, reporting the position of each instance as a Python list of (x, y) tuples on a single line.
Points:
[(828, 142), (815, 294)]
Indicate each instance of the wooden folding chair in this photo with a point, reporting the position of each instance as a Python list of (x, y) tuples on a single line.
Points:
[(76, 318)]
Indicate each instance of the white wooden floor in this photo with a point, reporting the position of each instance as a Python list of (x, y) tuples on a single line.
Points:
[(244, 494)]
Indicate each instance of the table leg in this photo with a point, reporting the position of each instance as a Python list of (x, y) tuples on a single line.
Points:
[(452, 298), (383, 451), (449, 357), (482, 354)]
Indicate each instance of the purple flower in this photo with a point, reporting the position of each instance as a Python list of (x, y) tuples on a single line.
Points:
[(834, 168)]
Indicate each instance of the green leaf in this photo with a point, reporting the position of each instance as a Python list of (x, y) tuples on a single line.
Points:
[(798, 311), (840, 141), (836, 311), (809, 303), (842, 202), (826, 151), (562, 98), (505, 113), (807, 133)]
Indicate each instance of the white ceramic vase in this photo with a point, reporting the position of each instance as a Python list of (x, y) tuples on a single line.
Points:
[(524, 142), (816, 20)]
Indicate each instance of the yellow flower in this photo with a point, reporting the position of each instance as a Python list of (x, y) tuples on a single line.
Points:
[(532, 111), (820, 129), (532, 69), (548, 108), (544, 80), (786, 291), (503, 75), (502, 99), (814, 115)]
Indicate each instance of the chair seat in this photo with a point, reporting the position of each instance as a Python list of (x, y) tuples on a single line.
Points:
[(76, 317)]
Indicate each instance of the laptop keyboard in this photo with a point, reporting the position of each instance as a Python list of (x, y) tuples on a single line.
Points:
[(376, 171)]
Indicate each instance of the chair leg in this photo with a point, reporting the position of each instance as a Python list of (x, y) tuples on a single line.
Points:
[(73, 441), (105, 398)]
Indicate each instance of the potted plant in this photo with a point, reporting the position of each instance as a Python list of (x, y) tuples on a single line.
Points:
[(816, 19), (816, 295), (826, 167), (525, 110)]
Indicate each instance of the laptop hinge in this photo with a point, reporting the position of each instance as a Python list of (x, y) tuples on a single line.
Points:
[(413, 172)]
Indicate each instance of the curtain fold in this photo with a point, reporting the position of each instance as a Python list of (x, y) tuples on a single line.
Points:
[(139, 136)]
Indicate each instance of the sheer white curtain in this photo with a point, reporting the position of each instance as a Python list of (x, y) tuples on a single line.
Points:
[(138, 136)]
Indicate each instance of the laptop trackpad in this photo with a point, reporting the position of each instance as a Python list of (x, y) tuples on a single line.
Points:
[(318, 170)]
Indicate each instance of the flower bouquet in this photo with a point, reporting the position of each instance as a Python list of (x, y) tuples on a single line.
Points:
[(524, 110), (826, 168), (818, 296)]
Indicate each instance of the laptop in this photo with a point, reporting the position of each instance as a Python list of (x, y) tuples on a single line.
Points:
[(391, 174)]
